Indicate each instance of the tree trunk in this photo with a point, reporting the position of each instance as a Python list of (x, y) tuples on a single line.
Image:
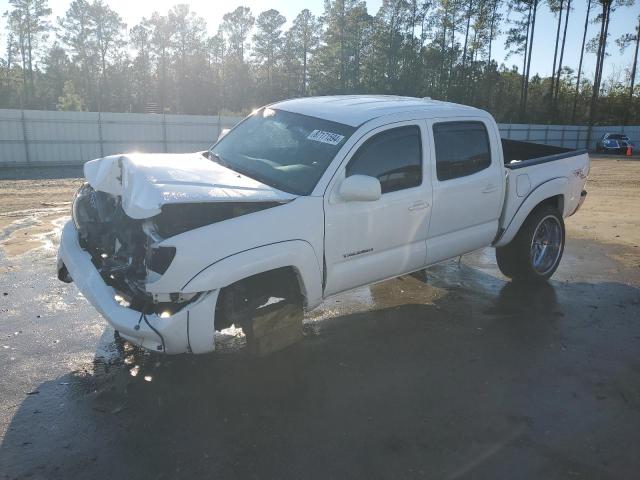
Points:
[(442, 56), (564, 39), (391, 61), (492, 27), (635, 62), (163, 80), (103, 61), (555, 53), (410, 55), (533, 31), (304, 70), (524, 62), (603, 55), (471, 80), (466, 36), (602, 21), (223, 80), (342, 58), (9, 61), (633, 75), (29, 35), (584, 39), (23, 56), (453, 45), (604, 29), (356, 63), (30, 65)]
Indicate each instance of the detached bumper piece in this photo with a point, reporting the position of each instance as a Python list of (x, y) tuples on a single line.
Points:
[(190, 329)]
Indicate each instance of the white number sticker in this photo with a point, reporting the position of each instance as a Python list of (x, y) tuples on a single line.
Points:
[(325, 137)]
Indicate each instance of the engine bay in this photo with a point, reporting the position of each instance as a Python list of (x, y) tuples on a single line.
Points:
[(118, 244)]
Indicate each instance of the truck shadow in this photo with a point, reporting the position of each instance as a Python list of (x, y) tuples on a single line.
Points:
[(466, 385)]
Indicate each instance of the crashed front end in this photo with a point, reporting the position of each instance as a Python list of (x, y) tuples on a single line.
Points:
[(112, 248), (125, 251), (112, 257)]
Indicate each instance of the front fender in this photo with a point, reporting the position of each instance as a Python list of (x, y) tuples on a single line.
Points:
[(298, 254), (552, 188)]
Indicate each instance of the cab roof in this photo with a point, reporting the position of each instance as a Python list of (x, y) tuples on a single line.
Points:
[(355, 110)]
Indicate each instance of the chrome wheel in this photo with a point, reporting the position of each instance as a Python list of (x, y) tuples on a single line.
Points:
[(546, 245)]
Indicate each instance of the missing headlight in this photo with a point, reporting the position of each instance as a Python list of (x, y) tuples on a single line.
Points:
[(160, 258), (91, 207)]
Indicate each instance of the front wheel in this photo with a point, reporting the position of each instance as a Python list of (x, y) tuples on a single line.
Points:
[(535, 252), (268, 307)]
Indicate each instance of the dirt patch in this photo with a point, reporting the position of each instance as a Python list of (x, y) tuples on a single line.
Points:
[(31, 211), (610, 213), (16, 195)]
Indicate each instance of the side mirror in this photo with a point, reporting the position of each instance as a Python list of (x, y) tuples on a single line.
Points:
[(360, 188), (223, 132)]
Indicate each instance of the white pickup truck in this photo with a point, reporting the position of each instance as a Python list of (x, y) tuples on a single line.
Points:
[(305, 199)]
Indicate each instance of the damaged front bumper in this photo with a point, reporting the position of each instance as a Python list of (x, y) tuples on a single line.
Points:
[(191, 329)]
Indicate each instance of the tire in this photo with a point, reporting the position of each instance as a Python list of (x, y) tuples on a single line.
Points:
[(535, 252), (505, 260)]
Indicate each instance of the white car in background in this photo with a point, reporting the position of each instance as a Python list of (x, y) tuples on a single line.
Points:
[(305, 199)]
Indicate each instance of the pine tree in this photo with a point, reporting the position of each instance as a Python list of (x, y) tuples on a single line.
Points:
[(69, 100), (27, 22), (306, 31), (267, 47)]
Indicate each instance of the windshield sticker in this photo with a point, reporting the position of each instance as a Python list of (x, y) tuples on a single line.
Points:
[(325, 137)]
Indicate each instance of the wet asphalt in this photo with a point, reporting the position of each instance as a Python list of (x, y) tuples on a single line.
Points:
[(466, 376)]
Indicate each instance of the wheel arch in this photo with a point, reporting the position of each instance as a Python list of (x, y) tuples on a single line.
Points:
[(550, 192), (296, 256), (556, 201)]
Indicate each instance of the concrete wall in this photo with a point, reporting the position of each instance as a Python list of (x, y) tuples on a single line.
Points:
[(34, 137)]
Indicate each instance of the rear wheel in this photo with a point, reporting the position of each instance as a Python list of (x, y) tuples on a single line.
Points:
[(535, 252), (505, 259)]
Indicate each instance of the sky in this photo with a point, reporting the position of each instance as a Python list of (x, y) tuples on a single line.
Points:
[(623, 21)]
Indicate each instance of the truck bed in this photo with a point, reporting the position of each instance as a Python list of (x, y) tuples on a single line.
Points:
[(519, 154), (535, 172)]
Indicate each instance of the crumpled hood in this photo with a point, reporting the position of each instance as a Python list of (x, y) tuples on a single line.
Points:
[(146, 182)]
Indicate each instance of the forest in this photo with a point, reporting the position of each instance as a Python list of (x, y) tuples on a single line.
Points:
[(88, 59)]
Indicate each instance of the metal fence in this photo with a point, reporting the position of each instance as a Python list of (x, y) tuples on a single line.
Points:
[(568, 136), (35, 137)]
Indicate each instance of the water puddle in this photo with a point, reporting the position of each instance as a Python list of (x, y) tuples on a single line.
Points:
[(28, 230)]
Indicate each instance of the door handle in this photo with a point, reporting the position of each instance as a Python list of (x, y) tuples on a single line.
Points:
[(490, 188), (419, 206)]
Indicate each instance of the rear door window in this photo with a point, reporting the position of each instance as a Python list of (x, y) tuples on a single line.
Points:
[(462, 149)]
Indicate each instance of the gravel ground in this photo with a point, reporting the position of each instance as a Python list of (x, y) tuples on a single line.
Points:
[(464, 376)]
